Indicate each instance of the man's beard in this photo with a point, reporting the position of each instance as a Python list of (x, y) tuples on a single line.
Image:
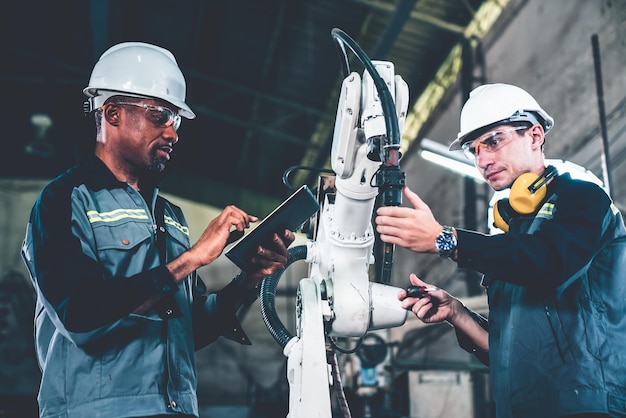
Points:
[(157, 165)]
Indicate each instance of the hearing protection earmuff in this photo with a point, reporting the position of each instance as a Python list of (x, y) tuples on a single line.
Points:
[(527, 194)]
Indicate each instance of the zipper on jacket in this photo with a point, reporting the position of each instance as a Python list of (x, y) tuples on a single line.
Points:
[(554, 333), (166, 367)]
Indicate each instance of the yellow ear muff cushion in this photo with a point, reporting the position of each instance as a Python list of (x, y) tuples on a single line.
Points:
[(521, 199), (498, 219)]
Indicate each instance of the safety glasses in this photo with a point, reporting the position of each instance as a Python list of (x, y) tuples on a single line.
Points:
[(490, 142), (160, 115)]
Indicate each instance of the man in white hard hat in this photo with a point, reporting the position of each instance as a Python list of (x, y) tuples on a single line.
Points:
[(120, 308), (554, 340)]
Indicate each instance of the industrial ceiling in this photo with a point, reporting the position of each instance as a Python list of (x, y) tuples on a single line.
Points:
[(263, 78)]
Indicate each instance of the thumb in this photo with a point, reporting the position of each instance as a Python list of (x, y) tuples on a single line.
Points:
[(413, 198), (415, 281)]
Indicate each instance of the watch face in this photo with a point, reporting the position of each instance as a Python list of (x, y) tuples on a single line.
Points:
[(446, 246), (446, 242)]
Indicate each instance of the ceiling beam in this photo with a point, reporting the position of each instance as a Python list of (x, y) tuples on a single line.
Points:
[(395, 25), (414, 15)]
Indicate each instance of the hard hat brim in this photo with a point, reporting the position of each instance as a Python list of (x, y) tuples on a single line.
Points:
[(455, 145)]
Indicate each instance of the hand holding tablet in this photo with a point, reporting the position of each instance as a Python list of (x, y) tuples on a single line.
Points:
[(290, 214)]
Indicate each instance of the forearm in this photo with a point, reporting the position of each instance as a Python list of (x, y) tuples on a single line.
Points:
[(183, 265), (472, 330)]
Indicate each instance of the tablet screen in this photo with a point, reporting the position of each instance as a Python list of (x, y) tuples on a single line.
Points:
[(290, 214)]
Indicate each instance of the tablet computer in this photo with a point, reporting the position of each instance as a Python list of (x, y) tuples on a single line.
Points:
[(290, 214)]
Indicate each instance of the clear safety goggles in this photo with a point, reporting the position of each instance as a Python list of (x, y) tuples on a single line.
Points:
[(490, 142), (160, 115)]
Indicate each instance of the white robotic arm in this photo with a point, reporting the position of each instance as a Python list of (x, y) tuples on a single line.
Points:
[(338, 299)]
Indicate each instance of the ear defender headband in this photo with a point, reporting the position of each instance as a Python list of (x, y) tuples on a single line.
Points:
[(527, 194)]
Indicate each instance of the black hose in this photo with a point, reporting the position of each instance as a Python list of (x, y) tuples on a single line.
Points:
[(267, 295)]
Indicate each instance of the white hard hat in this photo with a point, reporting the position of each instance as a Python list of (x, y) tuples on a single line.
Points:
[(490, 105), (141, 70)]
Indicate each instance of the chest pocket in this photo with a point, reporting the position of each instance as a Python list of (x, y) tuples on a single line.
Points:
[(124, 246)]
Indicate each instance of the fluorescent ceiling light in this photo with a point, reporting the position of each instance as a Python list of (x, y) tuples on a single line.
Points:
[(452, 160)]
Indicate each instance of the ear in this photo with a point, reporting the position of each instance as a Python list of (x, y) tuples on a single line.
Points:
[(537, 134), (111, 114)]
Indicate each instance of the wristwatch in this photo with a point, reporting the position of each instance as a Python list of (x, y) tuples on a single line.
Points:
[(446, 242)]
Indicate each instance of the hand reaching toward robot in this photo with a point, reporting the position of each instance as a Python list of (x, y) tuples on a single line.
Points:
[(414, 228)]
